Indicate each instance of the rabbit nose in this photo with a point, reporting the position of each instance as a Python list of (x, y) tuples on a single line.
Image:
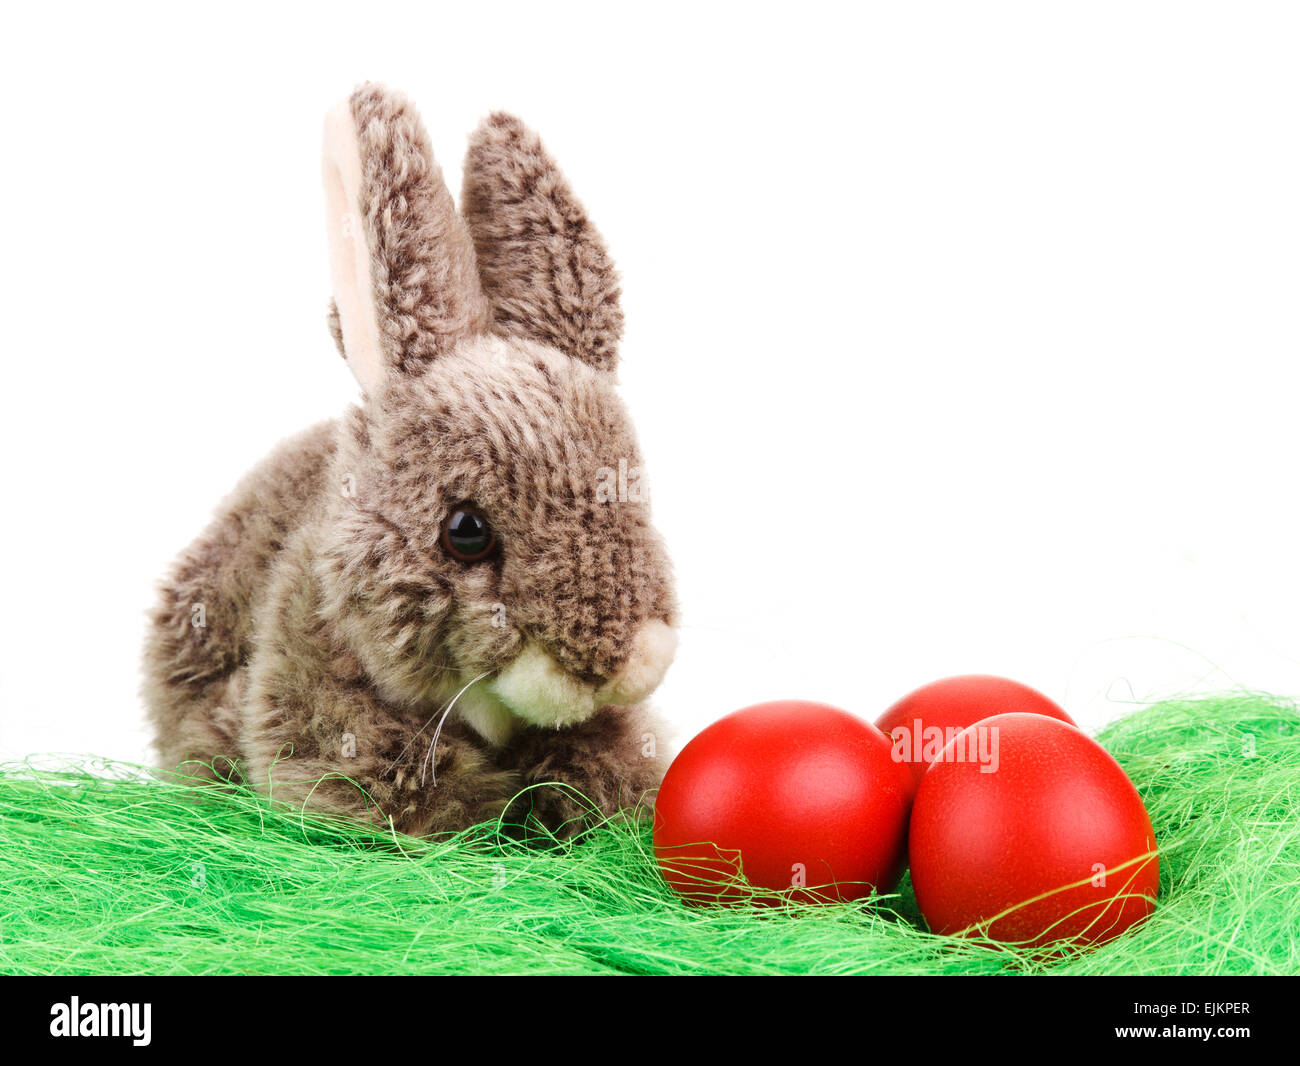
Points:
[(652, 652)]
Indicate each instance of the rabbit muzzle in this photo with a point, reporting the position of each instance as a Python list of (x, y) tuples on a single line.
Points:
[(539, 691)]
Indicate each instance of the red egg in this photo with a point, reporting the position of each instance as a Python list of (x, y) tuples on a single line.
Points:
[(1052, 843), (790, 796), (922, 722)]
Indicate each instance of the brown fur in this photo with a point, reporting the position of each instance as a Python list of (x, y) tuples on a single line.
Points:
[(332, 616), (542, 260), (427, 290)]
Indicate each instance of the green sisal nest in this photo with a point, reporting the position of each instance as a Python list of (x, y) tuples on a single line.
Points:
[(104, 870)]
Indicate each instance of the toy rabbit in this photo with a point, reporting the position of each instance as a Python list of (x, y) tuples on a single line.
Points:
[(417, 610)]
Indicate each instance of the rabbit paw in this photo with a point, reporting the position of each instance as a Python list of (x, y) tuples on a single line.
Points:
[(607, 767)]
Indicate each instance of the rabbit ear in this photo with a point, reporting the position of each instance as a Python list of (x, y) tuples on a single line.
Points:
[(406, 287), (544, 266)]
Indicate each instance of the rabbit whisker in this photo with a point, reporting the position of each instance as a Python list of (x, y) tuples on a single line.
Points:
[(443, 709), (428, 759)]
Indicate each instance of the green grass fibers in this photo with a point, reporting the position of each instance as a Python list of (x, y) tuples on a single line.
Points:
[(106, 870)]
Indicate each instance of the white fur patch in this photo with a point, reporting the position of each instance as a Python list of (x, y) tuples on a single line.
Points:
[(484, 713), (653, 649), (536, 688)]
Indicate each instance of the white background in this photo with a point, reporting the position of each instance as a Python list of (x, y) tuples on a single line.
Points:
[(960, 337)]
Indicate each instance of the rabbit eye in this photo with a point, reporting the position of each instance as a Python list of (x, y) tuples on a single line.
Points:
[(466, 535)]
